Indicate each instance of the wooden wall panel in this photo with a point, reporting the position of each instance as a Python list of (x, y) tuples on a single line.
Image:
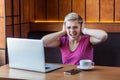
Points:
[(25, 12), (22, 11), (2, 24), (108, 27), (1, 8), (17, 31), (64, 8), (8, 7), (52, 10), (8, 20), (8, 15), (9, 31), (106, 10), (46, 26), (15, 16), (2, 33), (2, 57), (117, 10), (32, 10), (79, 7), (16, 7), (58, 26), (24, 30), (92, 10), (19, 16), (40, 10), (16, 20), (13, 32)]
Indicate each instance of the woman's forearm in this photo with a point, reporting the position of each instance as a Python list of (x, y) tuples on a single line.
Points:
[(52, 39), (96, 35)]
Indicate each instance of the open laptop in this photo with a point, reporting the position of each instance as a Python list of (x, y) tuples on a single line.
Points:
[(28, 54)]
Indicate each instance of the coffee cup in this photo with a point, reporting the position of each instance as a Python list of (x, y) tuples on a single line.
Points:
[(86, 64)]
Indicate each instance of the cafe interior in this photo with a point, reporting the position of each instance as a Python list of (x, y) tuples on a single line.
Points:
[(33, 19)]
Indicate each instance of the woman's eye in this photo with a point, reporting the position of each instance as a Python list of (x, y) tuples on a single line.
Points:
[(68, 27), (75, 27)]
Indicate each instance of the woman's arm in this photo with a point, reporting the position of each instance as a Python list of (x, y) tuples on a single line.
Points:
[(52, 40), (96, 35)]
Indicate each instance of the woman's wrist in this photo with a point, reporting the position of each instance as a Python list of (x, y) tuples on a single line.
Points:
[(62, 32)]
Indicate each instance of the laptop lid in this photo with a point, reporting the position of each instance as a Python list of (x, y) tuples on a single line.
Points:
[(27, 54)]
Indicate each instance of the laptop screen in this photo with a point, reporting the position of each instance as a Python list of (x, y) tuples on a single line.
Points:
[(26, 54)]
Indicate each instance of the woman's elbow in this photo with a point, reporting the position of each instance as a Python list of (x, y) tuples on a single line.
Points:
[(44, 42), (104, 37)]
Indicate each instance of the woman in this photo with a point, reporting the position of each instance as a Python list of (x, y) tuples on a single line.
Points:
[(79, 42)]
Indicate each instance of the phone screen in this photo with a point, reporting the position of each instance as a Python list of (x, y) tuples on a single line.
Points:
[(72, 71)]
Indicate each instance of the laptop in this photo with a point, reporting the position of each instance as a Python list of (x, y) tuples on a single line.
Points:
[(28, 54)]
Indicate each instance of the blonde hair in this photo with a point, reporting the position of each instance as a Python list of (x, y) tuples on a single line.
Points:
[(73, 16)]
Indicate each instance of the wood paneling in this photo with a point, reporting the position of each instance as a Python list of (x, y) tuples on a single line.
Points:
[(109, 27), (2, 33), (8, 20), (52, 10), (17, 31), (8, 7), (19, 16), (13, 32), (22, 10), (25, 11), (16, 7), (24, 30), (117, 10), (32, 10), (2, 24), (9, 31), (2, 57), (106, 10), (46, 26), (16, 20), (40, 10), (92, 10), (64, 8), (1, 8), (79, 7)]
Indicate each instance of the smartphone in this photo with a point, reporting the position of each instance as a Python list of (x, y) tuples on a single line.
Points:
[(72, 71)]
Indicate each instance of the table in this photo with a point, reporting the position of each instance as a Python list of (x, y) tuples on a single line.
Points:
[(98, 73)]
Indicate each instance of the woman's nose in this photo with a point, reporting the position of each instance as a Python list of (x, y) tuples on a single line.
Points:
[(72, 29)]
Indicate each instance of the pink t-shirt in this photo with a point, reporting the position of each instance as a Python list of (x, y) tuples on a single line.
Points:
[(83, 51)]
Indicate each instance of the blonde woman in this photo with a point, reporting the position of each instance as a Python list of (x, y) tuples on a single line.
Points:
[(79, 42)]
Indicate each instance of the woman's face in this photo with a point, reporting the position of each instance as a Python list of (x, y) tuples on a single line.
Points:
[(73, 29)]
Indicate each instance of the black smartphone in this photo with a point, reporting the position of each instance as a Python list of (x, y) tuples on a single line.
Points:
[(72, 71)]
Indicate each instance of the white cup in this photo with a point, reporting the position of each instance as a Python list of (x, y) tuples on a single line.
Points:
[(86, 64)]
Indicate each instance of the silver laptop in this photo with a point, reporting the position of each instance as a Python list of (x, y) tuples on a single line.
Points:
[(28, 54)]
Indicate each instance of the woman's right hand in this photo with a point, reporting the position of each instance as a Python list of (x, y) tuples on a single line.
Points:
[(64, 28)]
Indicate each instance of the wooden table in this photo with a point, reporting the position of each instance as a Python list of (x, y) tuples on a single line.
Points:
[(98, 73)]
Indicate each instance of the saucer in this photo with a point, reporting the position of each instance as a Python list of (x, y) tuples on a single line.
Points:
[(85, 68)]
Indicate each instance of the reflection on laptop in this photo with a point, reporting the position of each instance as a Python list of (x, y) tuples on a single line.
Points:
[(28, 54)]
